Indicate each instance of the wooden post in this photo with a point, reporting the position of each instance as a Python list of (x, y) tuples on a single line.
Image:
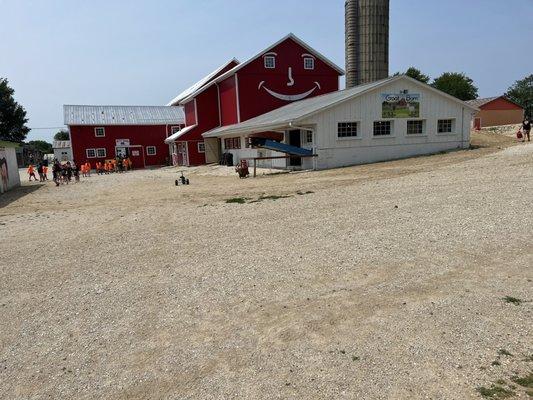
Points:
[(254, 167)]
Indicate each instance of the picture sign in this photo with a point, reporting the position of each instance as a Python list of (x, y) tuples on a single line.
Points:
[(135, 153), (123, 142), (400, 105)]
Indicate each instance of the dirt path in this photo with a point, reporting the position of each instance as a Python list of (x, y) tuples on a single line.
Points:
[(386, 282)]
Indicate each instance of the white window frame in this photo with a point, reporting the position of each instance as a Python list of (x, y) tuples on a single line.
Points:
[(310, 66), (391, 134), (87, 153), (268, 58), (96, 131), (98, 151), (357, 128), (415, 134), (148, 148), (308, 135), (199, 145), (453, 127)]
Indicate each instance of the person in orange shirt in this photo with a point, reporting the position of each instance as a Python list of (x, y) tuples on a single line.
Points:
[(88, 168), (125, 164), (45, 172), (31, 172)]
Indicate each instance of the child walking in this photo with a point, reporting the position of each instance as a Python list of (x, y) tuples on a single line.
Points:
[(31, 172)]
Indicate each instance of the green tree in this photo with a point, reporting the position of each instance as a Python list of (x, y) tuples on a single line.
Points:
[(62, 135), (521, 92), (457, 85), (414, 73), (41, 145), (12, 115)]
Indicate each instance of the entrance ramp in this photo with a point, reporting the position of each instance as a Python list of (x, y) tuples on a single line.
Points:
[(281, 147)]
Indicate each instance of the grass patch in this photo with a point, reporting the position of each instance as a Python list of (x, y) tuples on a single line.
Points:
[(355, 358), (272, 197), (236, 200), (512, 300), (526, 381), (504, 352), (495, 363), (495, 392)]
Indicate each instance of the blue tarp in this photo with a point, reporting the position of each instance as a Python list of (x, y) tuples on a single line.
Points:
[(282, 147)]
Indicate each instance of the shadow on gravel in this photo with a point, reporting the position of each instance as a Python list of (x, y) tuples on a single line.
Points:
[(17, 193)]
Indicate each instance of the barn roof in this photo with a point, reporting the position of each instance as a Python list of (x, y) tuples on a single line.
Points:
[(481, 102), (61, 144), (293, 113), (242, 65), (202, 82), (122, 115)]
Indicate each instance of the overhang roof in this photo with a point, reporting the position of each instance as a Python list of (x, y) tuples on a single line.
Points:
[(178, 134), (122, 115), (202, 82), (284, 117), (242, 65)]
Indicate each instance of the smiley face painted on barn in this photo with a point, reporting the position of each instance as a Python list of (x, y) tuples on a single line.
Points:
[(308, 63)]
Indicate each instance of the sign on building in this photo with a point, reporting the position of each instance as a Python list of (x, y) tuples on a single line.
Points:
[(123, 142), (400, 105)]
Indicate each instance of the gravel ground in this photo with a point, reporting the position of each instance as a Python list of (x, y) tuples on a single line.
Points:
[(383, 281)]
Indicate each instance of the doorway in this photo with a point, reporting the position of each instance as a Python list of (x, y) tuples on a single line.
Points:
[(134, 153), (295, 140)]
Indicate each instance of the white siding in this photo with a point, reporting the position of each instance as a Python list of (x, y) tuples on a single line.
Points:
[(334, 152), (13, 176)]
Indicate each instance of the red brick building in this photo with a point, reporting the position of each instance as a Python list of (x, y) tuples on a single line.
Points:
[(287, 71), (99, 133)]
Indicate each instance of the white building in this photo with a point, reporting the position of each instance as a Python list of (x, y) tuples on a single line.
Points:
[(62, 150), (389, 119), (9, 172)]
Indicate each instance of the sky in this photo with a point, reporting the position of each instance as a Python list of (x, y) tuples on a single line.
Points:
[(142, 52)]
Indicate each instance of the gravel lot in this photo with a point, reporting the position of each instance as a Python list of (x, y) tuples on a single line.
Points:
[(383, 281)]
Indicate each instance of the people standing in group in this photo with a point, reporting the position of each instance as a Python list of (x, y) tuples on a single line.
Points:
[(526, 129), (31, 172)]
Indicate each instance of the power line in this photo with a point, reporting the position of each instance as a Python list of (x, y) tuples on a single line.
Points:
[(52, 127)]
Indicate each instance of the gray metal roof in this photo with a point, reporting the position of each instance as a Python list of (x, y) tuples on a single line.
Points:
[(122, 115), (198, 85), (480, 102), (294, 112), (61, 144)]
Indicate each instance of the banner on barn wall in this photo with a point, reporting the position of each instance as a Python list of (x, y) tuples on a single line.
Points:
[(400, 105)]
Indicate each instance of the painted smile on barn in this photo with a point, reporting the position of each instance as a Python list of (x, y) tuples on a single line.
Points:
[(289, 97)]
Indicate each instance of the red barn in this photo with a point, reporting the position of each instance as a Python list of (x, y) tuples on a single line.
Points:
[(99, 133), (494, 111), (287, 71)]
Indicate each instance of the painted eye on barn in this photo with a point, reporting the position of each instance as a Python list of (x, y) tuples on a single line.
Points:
[(309, 61), (270, 60)]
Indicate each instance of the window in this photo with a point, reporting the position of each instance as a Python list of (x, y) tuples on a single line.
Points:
[(101, 153), (415, 127), (99, 132), (91, 153), (445, 126), (270, 62), (309, 63), (232, 143), (201, 147), (346, 129), (308, 137), (382, 128), (174, 129), (150, 150)]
